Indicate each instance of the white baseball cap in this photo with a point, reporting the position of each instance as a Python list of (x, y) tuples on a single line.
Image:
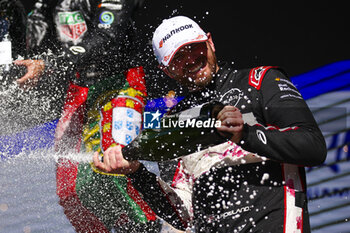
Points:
[(174, 33)]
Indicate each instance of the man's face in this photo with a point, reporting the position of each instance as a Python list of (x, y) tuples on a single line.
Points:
[(194, 65)]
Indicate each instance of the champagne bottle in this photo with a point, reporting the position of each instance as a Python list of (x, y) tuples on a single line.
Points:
[(8, 71), (5, 44), (180, 134)]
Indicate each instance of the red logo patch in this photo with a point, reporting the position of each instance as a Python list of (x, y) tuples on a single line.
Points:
[(256, 75), (166, 58), (74, 31)]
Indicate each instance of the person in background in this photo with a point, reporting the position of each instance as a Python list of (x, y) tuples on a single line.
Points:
[(254, 182), (88, 46), (12, 15)]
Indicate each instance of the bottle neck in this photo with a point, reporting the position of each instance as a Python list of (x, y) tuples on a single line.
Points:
[(6, 38), (4, 29)]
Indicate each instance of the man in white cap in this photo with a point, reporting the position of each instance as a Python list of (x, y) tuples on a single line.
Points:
[(180, 42), (264, 114)]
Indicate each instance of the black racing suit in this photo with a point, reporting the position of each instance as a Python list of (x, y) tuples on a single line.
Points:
[(268, 196), (92, 37), (83, 41)]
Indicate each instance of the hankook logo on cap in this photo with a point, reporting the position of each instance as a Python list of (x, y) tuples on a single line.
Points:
[(173, 32)]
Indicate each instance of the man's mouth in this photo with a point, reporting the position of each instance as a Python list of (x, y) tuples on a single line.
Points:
[(197, 66)]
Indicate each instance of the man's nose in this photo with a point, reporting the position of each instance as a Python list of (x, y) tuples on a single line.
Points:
[(189, 58)]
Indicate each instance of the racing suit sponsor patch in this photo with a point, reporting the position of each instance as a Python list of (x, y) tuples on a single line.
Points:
[(104, 1), (236, 212), (106, 17), (111, 6), (291, 96), (72, 25), (285, 85), (256, 75), (77, 49), (261, 136), (232, 97)]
